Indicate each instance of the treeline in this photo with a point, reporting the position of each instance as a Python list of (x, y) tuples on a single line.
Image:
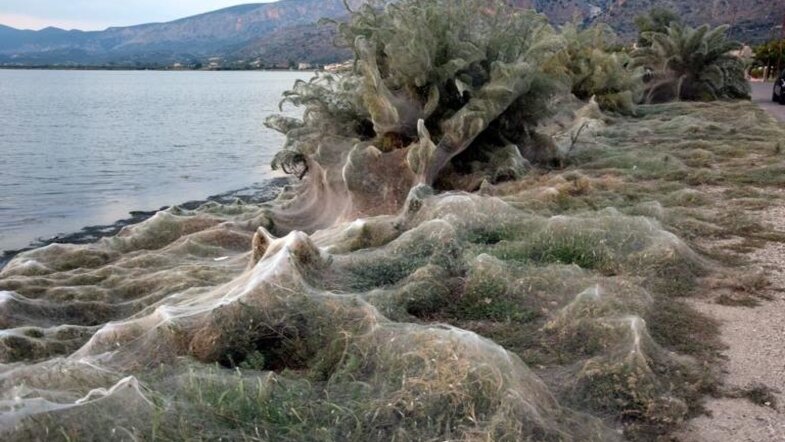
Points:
[(769, 59)]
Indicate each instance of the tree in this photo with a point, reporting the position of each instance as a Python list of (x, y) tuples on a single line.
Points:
[(692, 64), (597, 70), (656, 20), (770, 53), (440, 89)]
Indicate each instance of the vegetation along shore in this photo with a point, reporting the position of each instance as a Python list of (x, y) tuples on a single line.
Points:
[(494, 229)]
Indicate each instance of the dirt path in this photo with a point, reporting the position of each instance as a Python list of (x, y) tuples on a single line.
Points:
[(755, 355), (756, 342)]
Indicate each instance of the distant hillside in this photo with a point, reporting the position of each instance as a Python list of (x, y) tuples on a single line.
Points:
[(214, 34), (286, 32), (751, 20), (308, 43)]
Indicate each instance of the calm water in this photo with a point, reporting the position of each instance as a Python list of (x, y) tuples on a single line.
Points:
[(85, 148)]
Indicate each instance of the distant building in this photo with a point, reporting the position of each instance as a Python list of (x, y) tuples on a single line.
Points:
[(745, 52), (304, 66), (214, 62), (339, 67)]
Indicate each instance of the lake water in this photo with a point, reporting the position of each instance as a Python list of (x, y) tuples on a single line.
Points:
[(81, 148)]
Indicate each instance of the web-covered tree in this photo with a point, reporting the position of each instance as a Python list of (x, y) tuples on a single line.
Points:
[(684, 63), (441, 90)]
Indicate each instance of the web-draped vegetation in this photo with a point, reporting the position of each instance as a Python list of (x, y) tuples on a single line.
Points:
[(488, 237), (459, 89), (440, 89)]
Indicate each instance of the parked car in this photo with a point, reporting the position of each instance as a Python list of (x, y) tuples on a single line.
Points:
[(779, 89)]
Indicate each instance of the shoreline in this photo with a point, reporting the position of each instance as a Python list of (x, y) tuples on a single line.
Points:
[(256, 193), (143, 68)]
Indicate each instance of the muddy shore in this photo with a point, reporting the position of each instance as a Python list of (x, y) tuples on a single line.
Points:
[(257, 193)]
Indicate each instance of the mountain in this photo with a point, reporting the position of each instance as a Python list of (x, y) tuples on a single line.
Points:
[(214, 34), (285, 32)]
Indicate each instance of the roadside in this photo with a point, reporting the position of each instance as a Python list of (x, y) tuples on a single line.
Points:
[(761, 95), (755, 356), (755, 337)]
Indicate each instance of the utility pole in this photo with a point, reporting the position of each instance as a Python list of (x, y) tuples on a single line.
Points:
[(780, 48), (776, 45)]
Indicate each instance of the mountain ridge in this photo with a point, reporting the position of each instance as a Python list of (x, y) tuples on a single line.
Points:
[(285, 32)]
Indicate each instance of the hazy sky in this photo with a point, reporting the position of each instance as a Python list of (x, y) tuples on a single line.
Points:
[(100, 14)]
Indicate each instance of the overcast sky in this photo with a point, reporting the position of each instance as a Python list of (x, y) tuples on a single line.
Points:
[(100, 14)]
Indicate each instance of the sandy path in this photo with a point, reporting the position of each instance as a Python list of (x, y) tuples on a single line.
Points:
[(756, 341), (756, 354)]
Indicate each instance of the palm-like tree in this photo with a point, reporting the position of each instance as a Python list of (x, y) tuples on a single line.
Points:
[(684, 63)]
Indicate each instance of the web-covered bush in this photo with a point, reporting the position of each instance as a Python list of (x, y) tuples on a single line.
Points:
[(454, 84), (596, 69), (692, 64)]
